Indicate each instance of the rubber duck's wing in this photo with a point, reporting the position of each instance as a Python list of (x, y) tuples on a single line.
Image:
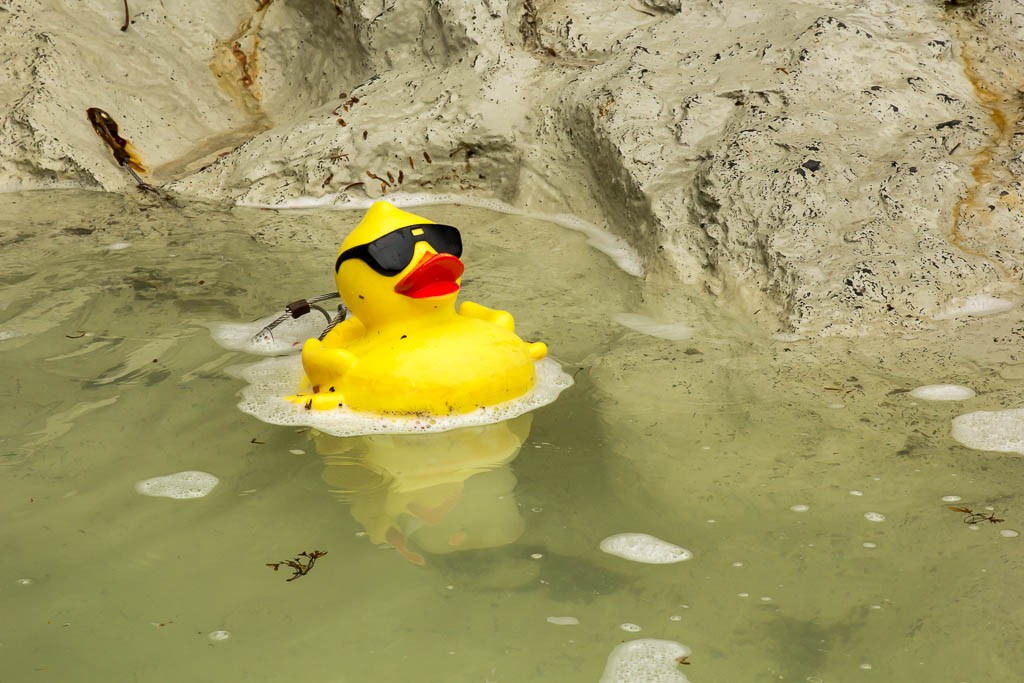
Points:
[(324, 365), (344, 333), (495, 317)]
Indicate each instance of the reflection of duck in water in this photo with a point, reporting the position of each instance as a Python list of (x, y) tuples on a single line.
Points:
[(405, 349), (435, 493)]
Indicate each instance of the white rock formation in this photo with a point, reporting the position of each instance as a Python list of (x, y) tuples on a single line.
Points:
[(847, 167)]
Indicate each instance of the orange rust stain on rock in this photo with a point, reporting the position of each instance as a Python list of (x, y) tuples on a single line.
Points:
[(235, 62), (1004, 119)]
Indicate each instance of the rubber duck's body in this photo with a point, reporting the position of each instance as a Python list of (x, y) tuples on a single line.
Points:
[(405, 349)]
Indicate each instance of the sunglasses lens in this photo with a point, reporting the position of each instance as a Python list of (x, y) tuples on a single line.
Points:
[(390, 254), (444, 239)]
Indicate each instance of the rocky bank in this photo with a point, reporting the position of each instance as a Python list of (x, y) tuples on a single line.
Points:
[(828, 167)]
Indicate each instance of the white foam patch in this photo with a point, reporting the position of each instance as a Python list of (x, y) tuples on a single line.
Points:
[(651, 327), (644, 548), (943, 392), (976, 306), (180, 485), (272, 379), (563, 621), (998, 430), (646, 660), (287, 337), (624, 256)]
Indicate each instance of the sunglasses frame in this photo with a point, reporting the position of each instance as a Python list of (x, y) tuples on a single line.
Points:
[(404, 239)]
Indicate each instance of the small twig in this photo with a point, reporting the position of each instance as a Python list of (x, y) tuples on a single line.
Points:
[(296, 564), (973, 517), (126, 19)]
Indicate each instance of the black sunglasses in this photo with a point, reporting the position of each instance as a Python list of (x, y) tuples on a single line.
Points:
[(390, 254)]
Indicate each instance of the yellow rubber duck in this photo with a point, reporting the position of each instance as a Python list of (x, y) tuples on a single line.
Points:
[(404, 349)]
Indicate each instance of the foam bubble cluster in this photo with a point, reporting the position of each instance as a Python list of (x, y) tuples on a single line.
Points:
[(651, 327), (943, 392), (287, 337), (646, 660), (976, 306), (998, 430), (644, 548), (274, 378), (180, 485)]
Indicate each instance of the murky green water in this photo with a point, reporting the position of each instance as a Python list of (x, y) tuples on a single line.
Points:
[(110, 377)]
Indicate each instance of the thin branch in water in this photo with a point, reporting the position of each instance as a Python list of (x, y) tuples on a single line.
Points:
[(298, 567)]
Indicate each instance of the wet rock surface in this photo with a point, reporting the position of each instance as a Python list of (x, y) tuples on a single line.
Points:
[(825, 167)]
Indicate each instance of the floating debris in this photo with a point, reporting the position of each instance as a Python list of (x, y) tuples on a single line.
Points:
[(972, 517), (296, 564)]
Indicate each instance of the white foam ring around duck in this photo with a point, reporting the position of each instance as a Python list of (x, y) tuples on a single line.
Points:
[(272, 379)]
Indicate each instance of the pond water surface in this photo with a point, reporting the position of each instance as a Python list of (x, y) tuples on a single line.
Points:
[(812, 490)]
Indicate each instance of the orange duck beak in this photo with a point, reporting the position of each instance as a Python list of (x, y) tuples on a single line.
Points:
[(434, 275)]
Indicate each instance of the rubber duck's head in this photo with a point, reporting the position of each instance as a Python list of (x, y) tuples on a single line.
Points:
[(397, 265)]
